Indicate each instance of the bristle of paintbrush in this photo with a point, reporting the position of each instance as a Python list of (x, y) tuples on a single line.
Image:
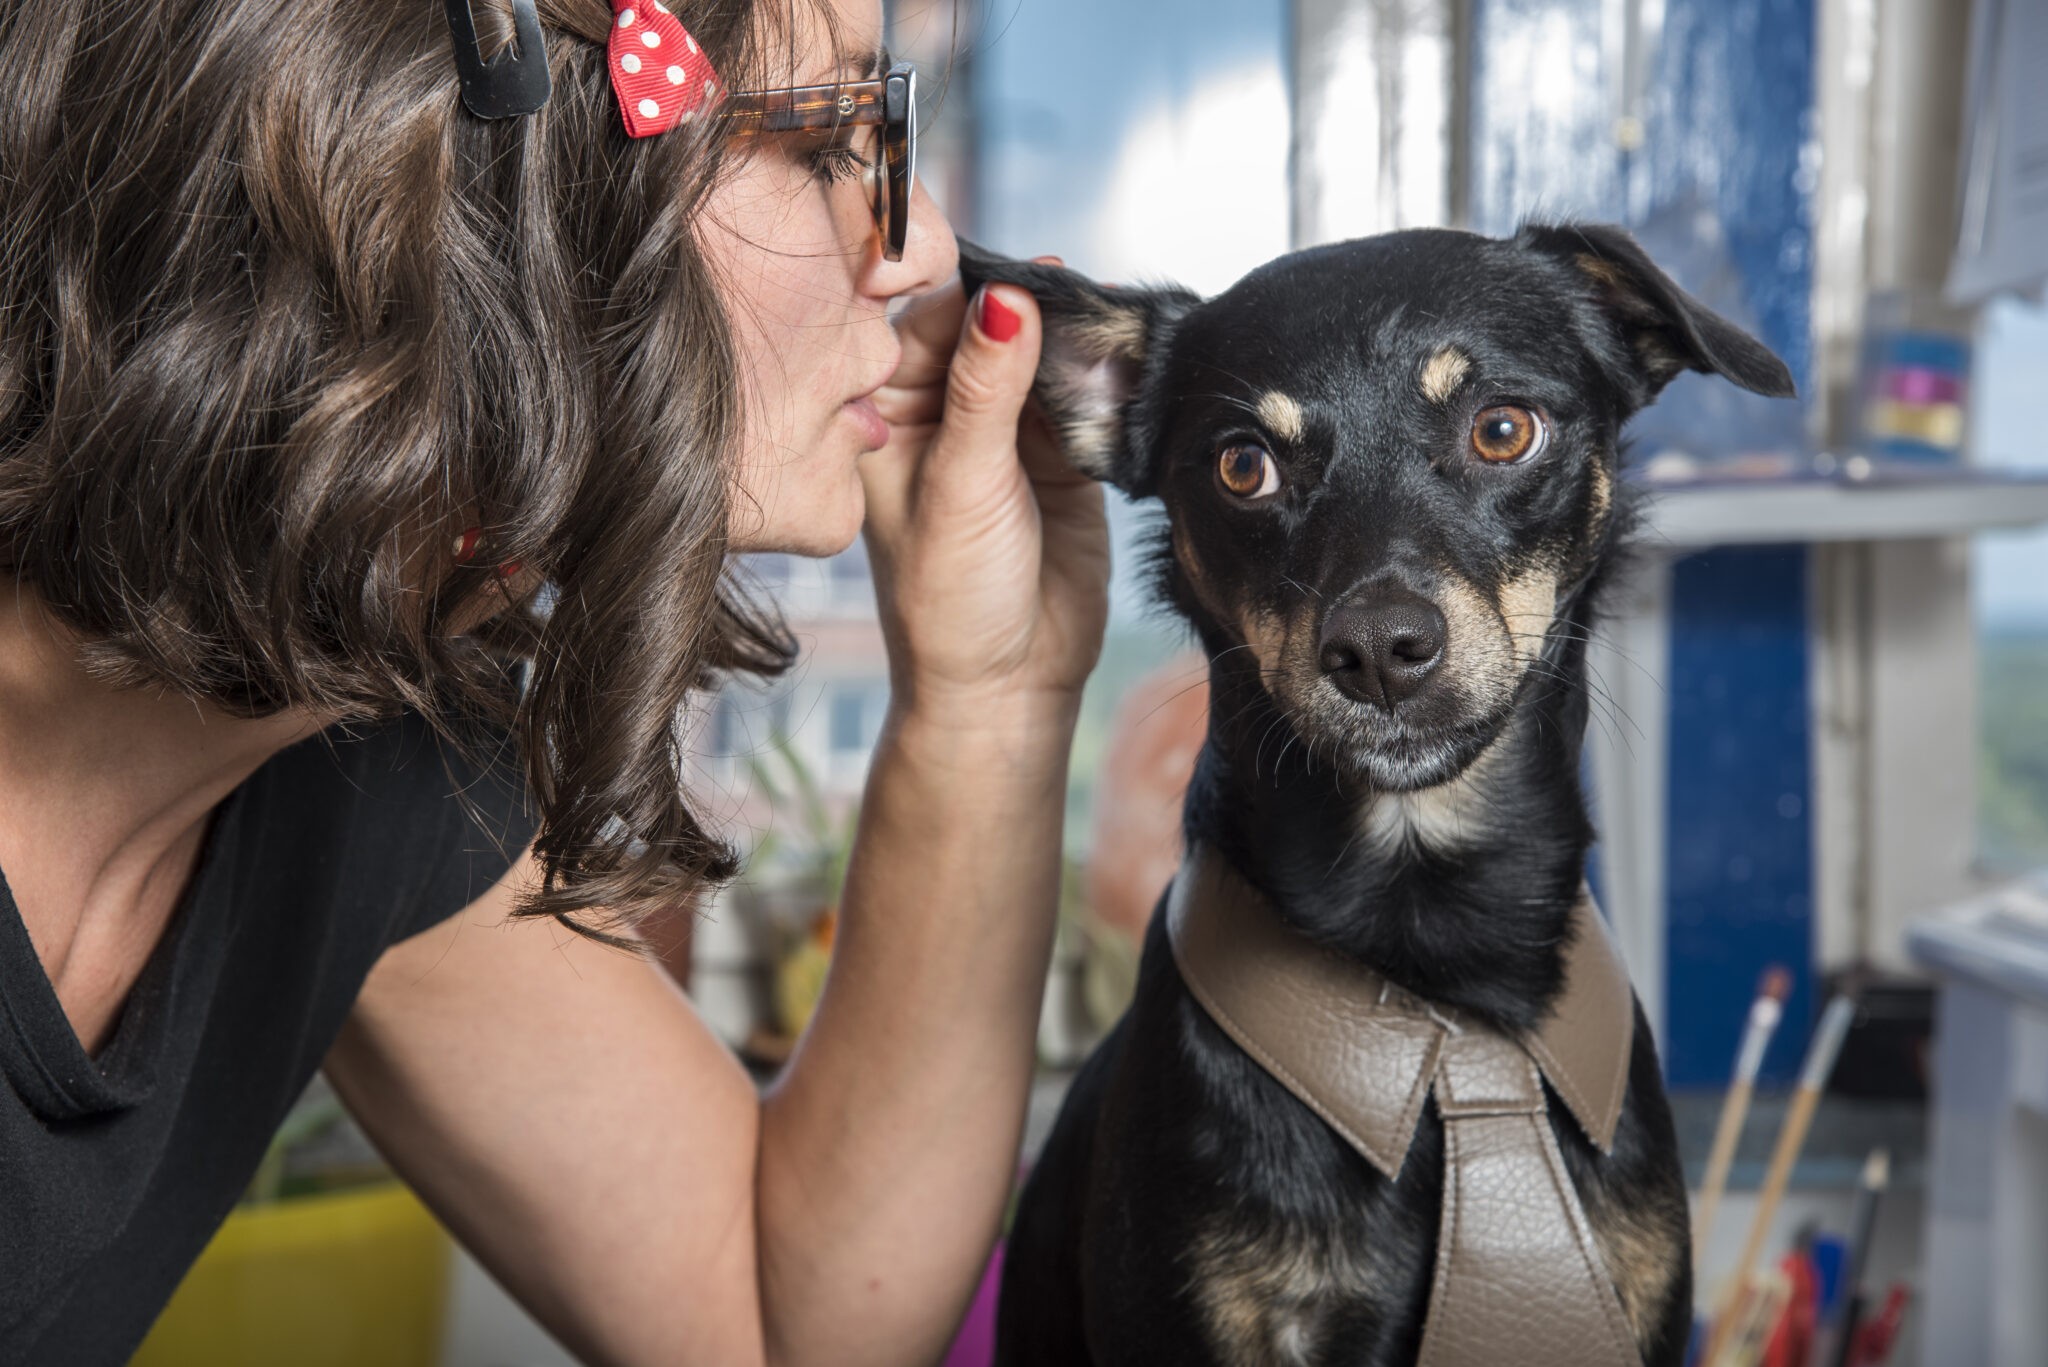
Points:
[(1764, 1014)]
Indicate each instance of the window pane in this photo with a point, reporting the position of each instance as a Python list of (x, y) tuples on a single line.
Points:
[(722, 738), (2011, 585), (849, 728)]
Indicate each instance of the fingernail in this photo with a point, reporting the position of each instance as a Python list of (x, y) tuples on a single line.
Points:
[(509, 568), (998, 320), (1050, 260), (465, 545)]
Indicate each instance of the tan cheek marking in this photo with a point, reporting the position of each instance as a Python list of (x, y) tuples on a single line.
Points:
[(1281, 415), (1184, 553), (1443, 373), (1528, 602), (1603, 496), (1475, 647), (1267, 636)]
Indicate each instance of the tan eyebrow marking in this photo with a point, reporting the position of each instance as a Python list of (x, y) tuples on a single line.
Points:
[(1443, 374), (1281, 415)]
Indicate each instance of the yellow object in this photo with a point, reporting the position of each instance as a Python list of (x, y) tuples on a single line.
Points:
[(1937, 424), (800, 977), (343, 1280)]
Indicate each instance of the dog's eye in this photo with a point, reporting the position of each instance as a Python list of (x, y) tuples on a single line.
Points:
[(1248, 471), (1508, 432)]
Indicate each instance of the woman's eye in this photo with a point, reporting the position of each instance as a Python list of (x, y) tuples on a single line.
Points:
[(1508, 432), (836, 161), (1247, 470)]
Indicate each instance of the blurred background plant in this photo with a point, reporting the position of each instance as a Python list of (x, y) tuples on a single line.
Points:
[(799, 869)]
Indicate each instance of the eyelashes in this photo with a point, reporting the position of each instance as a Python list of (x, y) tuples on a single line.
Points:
[(832, 164), (837, 158)]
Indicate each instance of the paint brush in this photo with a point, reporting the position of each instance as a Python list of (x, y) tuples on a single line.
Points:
[(1877, 1171), (1813, 1077), (1764, 1014)]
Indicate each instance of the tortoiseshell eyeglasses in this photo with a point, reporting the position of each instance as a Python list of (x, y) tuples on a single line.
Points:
[(890, 101)]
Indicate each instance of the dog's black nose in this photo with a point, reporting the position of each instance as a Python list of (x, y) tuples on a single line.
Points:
[(1383, 652)]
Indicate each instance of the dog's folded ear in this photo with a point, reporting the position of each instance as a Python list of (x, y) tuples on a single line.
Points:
[(1098, 343), (1667, 330)]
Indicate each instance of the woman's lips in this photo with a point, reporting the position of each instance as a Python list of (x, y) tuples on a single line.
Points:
[(874, 428)]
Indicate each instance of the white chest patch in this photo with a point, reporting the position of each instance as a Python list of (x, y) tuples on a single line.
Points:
[(1447, 816)]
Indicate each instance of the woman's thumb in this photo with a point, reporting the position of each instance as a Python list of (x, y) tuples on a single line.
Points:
[(992, 372)]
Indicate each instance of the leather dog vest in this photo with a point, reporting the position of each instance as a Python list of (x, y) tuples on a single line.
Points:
[(1518, 1275)]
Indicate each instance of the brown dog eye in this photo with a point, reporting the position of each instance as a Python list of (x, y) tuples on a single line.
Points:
[(1248, 471), (1508, 432)]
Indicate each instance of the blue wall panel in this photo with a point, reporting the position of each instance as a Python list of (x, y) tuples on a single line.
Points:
[(1738, 873)]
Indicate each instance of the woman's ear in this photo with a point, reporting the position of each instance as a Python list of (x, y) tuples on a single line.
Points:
[(1667, 330), (1101, 346)]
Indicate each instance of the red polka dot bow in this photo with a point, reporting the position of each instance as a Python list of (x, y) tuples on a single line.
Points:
[(659, 73)]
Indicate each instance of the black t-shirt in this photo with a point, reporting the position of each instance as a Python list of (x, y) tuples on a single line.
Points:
[(115, 1171)]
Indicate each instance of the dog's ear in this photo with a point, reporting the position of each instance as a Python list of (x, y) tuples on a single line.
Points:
[(1098, 341), (1667, 330)]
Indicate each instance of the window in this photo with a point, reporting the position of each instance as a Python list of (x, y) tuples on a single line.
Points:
[(849, 734), (771, 570), (849, 576), (2010, 580), (722, 732)]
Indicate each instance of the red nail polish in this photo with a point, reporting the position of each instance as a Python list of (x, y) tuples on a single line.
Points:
[(998, 319), (465, 545), (509, 568)]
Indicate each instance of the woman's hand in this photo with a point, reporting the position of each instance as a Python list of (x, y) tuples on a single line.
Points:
[(991, 554)]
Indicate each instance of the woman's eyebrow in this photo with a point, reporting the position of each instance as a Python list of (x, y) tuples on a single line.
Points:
[(864, 66)]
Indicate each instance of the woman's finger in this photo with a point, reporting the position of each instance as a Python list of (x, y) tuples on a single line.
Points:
[(928, 327), (989, 380)]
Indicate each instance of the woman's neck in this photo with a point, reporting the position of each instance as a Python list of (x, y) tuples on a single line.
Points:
[(104, 799)]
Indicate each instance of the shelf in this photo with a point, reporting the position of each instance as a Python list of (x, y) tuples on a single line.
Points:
[(1689, 517)]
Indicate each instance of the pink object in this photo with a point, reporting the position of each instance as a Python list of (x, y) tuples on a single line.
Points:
[(976, 1346), (658, 72), (1153, 743), (1920, 385)]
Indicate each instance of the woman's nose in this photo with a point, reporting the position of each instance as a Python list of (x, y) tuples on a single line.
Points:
[(930, 255)]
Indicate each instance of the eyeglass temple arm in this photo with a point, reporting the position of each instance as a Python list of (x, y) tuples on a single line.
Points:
[(806, 107)]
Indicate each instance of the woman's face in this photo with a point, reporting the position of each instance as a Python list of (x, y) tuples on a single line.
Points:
[(792, 234)]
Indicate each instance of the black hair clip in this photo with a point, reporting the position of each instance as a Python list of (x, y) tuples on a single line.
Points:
[(516, 81)]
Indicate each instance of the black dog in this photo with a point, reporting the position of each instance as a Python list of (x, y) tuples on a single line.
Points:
[(1389, 472)]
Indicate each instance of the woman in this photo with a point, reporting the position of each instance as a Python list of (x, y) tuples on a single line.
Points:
[(326, 397)]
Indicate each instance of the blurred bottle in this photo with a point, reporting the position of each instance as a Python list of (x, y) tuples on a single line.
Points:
[(1913, 382)]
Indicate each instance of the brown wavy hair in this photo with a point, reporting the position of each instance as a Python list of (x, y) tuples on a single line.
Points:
[(279, 319)]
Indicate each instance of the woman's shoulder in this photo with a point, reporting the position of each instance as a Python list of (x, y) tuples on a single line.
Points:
[(432, 812), (403, 759)]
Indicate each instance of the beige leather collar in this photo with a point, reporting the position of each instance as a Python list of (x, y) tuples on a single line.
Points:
[(1361, 1052), (1519, 1273)]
